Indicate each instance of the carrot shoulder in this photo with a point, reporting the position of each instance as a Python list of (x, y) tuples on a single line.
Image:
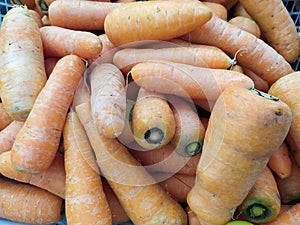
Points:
[(37, 142)]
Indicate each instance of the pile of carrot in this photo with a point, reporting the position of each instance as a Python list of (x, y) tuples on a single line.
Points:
[(151, 112)]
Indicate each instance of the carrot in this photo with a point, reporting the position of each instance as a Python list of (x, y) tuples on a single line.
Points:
[(5, 119), (246, 24), (228, 4), (189, 132), (237, 68), (85, 200), (259, 83), (23, 77), (289, 216), (244, 130), (153, 123), (38, 140), (239, 10), (144, 201), (25, 203), (80, 15), (59, 42), (186, 80), (50, 63), (218, 9), (108, 99), (280, 162), (285, 89), (9, 134), (153, 20), (52, 180), (262, 203), (250, 51), (36, 16), (277, 26), (192, 217)]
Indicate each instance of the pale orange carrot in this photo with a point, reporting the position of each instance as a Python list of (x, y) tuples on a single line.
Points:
[(5, 119), (218, 9), (239, 10), (259, 83), (246, 24), (226, 3), (9, 134), (288, 217)]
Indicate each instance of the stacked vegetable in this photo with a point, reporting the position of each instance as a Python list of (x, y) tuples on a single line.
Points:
[(155, 112)]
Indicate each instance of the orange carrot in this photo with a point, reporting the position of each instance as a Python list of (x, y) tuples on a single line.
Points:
[(144, 201), (59, 42), (25, 203), (288, 217), (246, 24), (50, 63), (280, 162), (218, 9), (108, 99), (226, 3), (259, 83), (250, 51), (9, 134), (5, 119), (23, 77), (80, 15), (153, 20), (85, 201), (245, 128), (36, 16), (186, 80), (52, 180), (38, 140)]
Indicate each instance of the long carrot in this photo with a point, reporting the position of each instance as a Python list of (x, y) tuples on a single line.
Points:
[(59, 42), (153, 20), (289, 216), (38, 140), (9, 134), (108, 99), (21, 62), (5, 119), (144, 201), (186, 80), (250, 51), (25, 203), (244, 130), (85, 201), (277, 26)]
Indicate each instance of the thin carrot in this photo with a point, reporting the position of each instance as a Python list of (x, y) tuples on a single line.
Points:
[(52, 180), (38, 140), (186, 80), (5, 119), (23, 77), (108, 99), (59, 42), (25, 203), (85, 200), (144, 201), (153, 20), (244, 130), (9, 134), (277, 26), (259, 83), (288, 217), (280, 162), (246, 24), (153, 123), (250, 51)]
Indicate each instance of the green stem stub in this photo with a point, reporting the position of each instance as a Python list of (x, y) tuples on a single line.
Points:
[(154, 136), (193, 148), (264, 95), (258, 213)]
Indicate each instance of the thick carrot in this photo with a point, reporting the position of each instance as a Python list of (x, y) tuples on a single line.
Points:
[(108, 99), (277, 26), (80, 15), (25, 203), (59, 42), (52, 180), (38, 140), (280, 162), (5, 119), (288, 217), (285, 89), (9, 134), (246, 24), (251, 52), (186, 80), (21, 62), (85, 200), (154, 20), (259, 83), (262, 203), (244, 130), (144, 201), (153, 123)]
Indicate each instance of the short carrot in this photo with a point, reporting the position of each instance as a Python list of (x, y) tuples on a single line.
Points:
[(108, 99), (59, 42), (186, 80), (9, 134), (38, 140), (25, 203), (244, 130), (23, 77), (5, 118), (153, 20), (153, 123), (289, 216), (246, 24)]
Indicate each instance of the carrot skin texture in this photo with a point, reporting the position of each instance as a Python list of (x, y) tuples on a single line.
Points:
[(23, 77), (289, 216), (9, 134), (5, 119), (231, 163), (117, 166), (38, 140), (246, 24), (125, 24), (25, 203)]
